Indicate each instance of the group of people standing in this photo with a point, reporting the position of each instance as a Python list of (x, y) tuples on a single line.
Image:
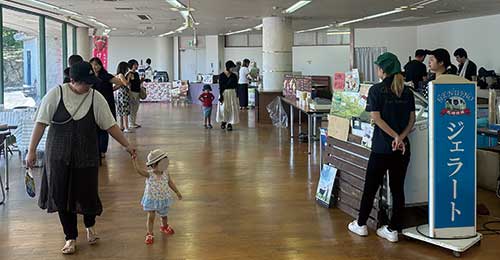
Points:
[(127, 84), (439, 63)]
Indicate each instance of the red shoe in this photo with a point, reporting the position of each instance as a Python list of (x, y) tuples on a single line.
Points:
[(149, 239), (167, 230)]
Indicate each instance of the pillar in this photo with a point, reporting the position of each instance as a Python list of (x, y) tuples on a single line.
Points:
[(165, 59), (177, 59), (277, 52), (214, 54), (83, 42)]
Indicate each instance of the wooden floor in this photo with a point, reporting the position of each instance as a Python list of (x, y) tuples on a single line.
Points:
[(248, 194)]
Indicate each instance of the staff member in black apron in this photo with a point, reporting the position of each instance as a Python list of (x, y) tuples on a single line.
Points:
[(69, 185), (392, 108)]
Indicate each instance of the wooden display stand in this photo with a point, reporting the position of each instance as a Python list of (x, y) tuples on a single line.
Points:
[(351, 160)]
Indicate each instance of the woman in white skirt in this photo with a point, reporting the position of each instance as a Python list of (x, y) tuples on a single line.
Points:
[(228, 109)]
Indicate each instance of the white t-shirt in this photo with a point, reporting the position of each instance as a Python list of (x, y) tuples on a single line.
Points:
[(72, 100), (244, 71)]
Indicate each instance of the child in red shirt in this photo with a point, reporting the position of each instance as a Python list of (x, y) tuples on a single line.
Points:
[(207, 98)]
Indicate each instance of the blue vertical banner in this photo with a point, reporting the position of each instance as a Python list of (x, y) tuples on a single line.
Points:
[(452, 162)]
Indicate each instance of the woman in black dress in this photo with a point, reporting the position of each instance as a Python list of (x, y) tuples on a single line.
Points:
[(106, 88), (69, 185)]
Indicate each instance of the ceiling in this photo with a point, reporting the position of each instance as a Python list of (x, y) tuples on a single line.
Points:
[(212, 14)]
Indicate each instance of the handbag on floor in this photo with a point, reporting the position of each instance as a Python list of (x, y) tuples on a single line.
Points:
[(30, 183)]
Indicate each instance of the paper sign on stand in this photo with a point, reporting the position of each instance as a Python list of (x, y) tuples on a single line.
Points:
[(452, 166)]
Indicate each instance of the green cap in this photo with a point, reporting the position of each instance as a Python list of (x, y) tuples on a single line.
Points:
[(389, 63)]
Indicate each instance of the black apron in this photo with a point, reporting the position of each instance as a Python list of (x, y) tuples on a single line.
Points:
[(70, 176)]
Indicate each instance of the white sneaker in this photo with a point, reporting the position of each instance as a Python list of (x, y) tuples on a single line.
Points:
[(384, 232), (69, 248), (92, 236), (128, 130), (357, 229)]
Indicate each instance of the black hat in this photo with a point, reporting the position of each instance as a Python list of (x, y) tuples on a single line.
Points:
[(207, 87), (82, 72)]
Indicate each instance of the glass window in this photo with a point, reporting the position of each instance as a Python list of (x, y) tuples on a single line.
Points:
[(21, 59), (304, 39), (237, 40), (53, 36), (255, 40)]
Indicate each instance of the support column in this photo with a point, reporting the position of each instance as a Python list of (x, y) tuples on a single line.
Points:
[(215, 54), (165, 60), (177, 60), (83, 42), (43, 56), (277, 46), (277, 52), (2, 88)]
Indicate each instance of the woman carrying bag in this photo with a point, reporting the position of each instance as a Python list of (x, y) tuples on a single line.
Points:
[(69, 185)]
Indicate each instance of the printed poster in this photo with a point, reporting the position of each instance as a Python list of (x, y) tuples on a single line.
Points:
[(352, 81), (100, 49), (325, 185), (339, 81)]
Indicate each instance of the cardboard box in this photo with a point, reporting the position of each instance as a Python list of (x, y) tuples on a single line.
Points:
[(488, 169), (338, 127)]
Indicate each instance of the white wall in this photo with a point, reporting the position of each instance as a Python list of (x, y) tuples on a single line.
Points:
[(402, 41), (321, 60), (126, 48), (310, 60), (479, 36), (240, 53)]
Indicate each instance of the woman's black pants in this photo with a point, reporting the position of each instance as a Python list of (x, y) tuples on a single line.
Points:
[(379, 164), (70, 226), (243, 94)]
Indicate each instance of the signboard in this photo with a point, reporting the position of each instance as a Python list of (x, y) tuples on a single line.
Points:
[(452, 157), (325, 185), (101, 49)]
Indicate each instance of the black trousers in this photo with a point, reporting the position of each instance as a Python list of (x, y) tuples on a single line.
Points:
[(70, 226), (243, 94), (378, 165)]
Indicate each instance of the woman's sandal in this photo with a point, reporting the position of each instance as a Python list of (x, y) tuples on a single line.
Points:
[(69, 248)]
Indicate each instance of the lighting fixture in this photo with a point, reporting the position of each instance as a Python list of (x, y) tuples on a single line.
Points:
[(338, 33), (240, 31), (176, 4), (99, 23), (395, 11), (166, 34), (297, 6), (315, 29)]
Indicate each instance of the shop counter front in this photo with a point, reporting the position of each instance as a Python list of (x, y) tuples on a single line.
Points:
[(166, 91), (195, 90), (351, 160)]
